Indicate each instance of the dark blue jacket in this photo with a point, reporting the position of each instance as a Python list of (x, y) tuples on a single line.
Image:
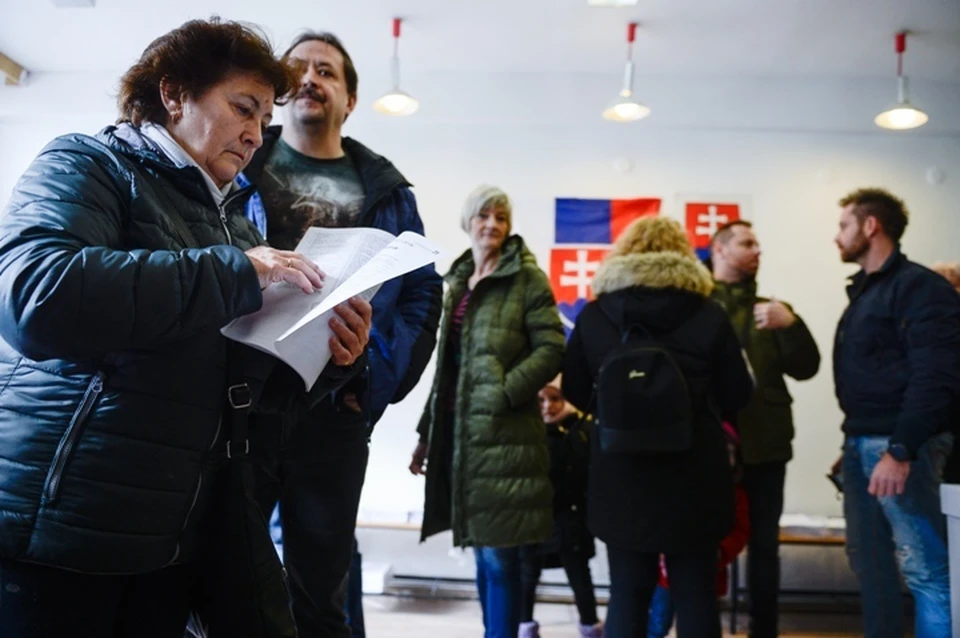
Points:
[(406, 310), (896, 358), (113, 371), (111, 359)]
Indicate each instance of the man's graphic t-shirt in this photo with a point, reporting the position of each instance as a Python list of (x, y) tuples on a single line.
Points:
[(300, 191)]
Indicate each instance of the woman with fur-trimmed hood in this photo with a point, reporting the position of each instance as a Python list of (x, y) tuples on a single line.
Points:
[(677, 504)]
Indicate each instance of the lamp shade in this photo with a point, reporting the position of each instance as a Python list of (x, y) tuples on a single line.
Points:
[(396, 102), (626, 109), (901, 116)]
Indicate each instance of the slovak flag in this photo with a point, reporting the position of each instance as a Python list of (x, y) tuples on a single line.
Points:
[(599, 221), (704, 219), (571, 273), (585, 228)]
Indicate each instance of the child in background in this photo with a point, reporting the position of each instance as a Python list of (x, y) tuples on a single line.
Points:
[(571, 546), (661, 607)]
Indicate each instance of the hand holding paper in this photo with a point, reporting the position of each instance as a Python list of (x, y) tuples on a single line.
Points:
[(295, 327), (351, 330), (274, 266)]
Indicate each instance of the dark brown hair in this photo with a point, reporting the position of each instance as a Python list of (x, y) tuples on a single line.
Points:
[(887, 208), (194, 57), (349, 71), (725, 231)]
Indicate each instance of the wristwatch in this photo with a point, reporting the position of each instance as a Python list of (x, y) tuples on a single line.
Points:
[(899, 452)]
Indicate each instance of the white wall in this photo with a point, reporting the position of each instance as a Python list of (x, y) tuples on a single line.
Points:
[(795, 181), (795, 146)]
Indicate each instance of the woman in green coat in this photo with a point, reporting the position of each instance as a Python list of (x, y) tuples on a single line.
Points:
[(482, 445)]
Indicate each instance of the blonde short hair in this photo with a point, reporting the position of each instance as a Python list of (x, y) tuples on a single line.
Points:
[(485, 196), (653, 235)]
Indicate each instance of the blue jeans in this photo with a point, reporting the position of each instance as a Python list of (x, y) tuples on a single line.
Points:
[(906, 531), (499, 586), (661, 613)]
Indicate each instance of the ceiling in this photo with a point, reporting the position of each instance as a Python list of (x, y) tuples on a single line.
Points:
[(678, 38)]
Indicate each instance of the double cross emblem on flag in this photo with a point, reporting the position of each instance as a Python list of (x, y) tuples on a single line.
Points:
[(703, 221)]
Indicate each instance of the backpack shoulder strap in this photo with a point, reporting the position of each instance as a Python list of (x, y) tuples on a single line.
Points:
[(625, 332)]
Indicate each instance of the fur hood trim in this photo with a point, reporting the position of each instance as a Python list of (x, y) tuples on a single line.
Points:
[(653, 270)]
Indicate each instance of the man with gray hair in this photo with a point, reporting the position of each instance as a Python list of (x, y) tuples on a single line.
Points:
[(314, 463)]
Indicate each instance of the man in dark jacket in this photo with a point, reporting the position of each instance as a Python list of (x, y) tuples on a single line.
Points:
[(314, 464), (778, 344), (897, 374)]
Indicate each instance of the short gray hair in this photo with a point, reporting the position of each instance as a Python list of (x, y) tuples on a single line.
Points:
[(485, 196)]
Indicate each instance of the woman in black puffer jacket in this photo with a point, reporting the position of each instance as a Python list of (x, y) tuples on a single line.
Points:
[(121, 258)]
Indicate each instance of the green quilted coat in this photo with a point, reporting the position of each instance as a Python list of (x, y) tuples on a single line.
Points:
[(487, 469)]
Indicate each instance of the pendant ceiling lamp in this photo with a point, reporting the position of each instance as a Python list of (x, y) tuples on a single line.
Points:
[(902, 115), (625, 108), (396, 102)]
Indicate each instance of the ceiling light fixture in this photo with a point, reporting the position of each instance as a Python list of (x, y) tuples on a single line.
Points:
[(625, 108), (902, 115), (396, 102)]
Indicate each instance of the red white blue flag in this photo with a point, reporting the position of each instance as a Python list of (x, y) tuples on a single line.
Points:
[(703, 219), (585, 228)]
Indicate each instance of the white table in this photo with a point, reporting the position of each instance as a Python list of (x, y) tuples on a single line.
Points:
[(950, 505)]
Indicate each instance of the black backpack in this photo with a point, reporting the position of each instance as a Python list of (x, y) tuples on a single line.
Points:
[(642, 399)]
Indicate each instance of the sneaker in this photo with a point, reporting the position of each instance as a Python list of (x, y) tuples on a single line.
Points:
[(529, 630), (591, 631)]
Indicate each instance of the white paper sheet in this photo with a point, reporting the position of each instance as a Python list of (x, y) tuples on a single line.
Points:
[(294, 326)]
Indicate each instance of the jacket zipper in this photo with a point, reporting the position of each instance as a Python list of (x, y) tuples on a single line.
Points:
[(74, 430), (222, 210), (223, 222), (196, 494)]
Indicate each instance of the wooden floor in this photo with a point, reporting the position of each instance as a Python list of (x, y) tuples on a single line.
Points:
[(395, 617)]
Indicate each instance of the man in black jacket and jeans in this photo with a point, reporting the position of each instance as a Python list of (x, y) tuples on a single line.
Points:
[(314, 463), (897, 376)]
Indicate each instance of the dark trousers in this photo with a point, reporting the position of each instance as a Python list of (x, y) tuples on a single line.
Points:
[(577, 567), (314, 466), (693, 584), (45, 602), (764, 486), (354, 607)]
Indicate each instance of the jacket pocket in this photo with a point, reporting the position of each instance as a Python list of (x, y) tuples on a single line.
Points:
[(51, 488)]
